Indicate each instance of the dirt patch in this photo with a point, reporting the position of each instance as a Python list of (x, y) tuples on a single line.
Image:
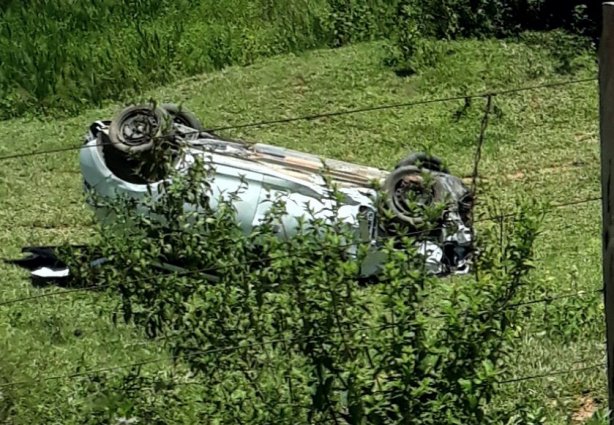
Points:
[(516, 176), (586, 410), (586, 137)]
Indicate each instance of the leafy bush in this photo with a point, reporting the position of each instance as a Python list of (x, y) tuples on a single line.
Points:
[(359, 20), (282, 329), (574, 318), (450, 19), (132, 398), (566, 49)]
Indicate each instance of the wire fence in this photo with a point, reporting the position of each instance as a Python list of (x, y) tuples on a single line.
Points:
[(488, 95), (222, 268), (477, 158)]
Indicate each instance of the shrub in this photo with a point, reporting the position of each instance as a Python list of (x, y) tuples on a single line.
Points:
[(568, 50), (282, 329), (571, 320), (452, 19)]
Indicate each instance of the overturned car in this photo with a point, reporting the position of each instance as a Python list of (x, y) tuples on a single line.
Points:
[(109, 168)]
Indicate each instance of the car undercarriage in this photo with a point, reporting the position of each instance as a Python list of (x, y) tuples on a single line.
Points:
[(115, 151)]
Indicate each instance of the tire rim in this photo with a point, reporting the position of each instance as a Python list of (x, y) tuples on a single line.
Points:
[(405, 186), (138, 128)]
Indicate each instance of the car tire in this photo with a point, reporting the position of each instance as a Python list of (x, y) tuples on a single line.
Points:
[(424, 161), (395, 187), (135, 129), (183, 116)]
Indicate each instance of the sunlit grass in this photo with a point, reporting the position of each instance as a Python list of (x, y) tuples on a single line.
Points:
[(541, 143)]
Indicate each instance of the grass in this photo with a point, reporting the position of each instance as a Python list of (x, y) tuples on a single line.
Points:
[(60, 56), (542, 143)]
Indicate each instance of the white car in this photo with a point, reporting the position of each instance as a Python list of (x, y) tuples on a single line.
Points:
[(109, 168)]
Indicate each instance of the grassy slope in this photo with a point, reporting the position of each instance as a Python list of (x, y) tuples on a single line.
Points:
[(542, 143)]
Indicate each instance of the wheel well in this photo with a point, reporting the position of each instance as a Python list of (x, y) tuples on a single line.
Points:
[(120, 163)]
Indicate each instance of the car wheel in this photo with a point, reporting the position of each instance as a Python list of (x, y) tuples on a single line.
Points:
[(183, 116), (136, 128), (399, 185), (425, 161)]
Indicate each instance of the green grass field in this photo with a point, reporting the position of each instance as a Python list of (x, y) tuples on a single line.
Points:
[(541, 143)]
